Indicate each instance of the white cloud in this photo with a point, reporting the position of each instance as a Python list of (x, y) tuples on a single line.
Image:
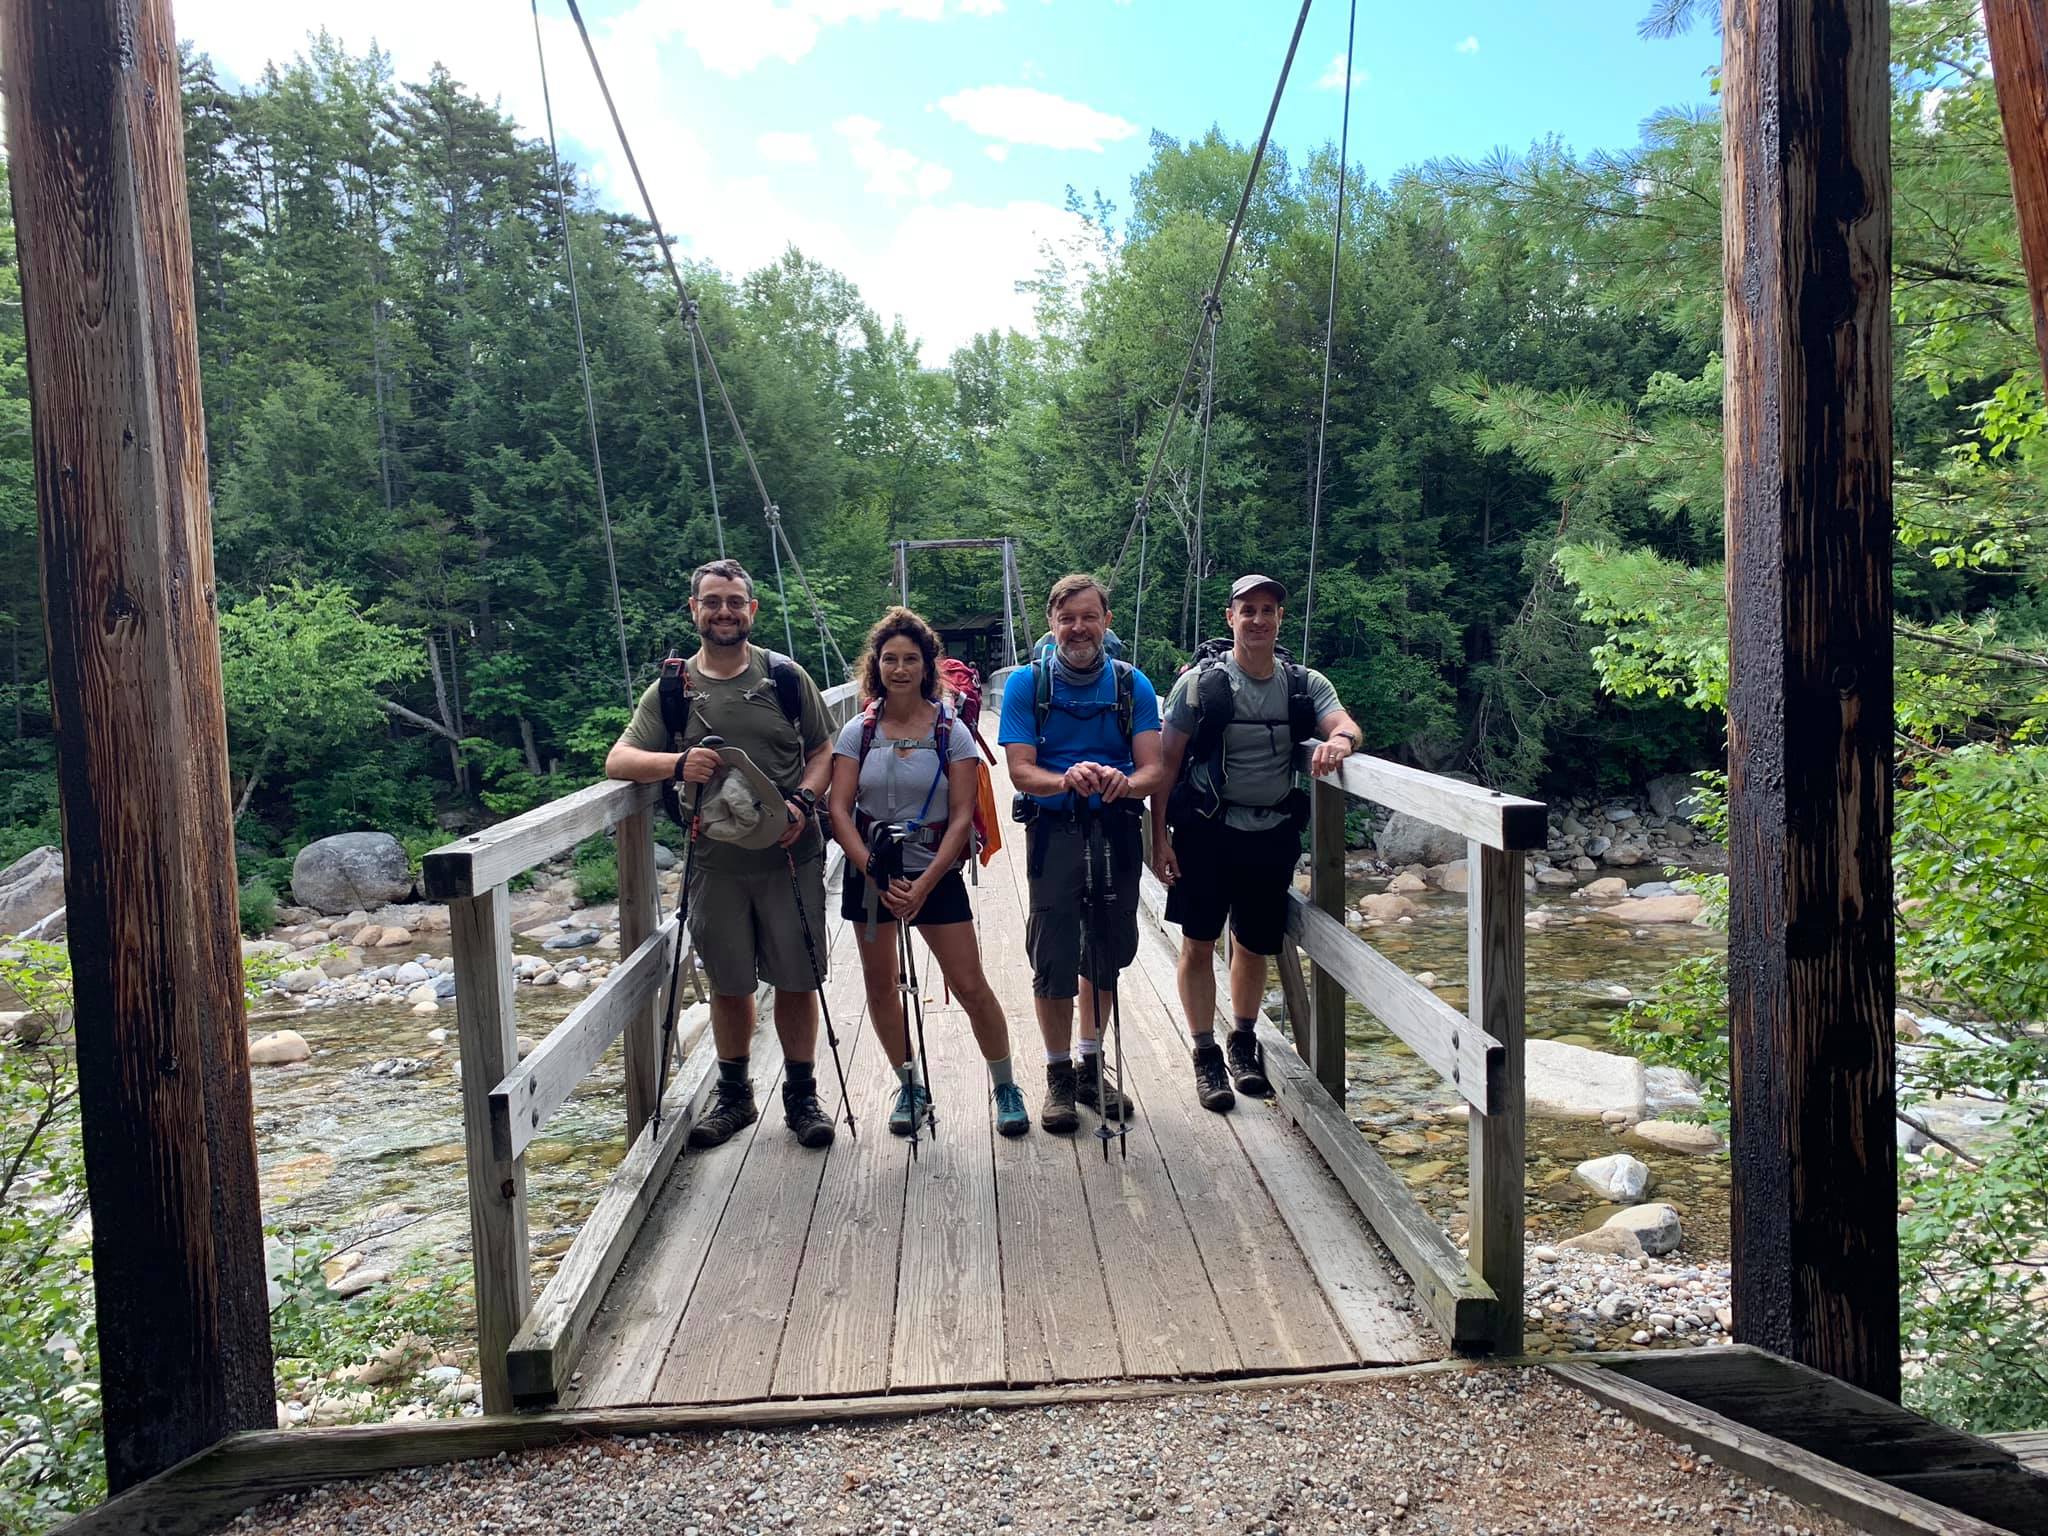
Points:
[(1333, 77), (946, 301), (996, 152), (784, 148), (980, 7), (1470, 45), (1016, 114), (892, 173)]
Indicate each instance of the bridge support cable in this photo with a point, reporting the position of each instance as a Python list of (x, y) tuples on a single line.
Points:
[(604, 511), (1212, 301), (691, 317), (1200, 560), (1315, 505), (704, 425)]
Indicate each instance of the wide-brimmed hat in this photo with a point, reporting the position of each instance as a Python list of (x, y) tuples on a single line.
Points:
[(742, 806)]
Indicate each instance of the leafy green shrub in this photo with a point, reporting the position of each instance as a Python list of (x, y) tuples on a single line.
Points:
[(258, 900), (597, 870)]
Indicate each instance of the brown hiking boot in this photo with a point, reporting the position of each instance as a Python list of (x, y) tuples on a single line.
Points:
[(1089, 1089), (1248, 1063), (1212, 1081), (805, 1116), (1057, 1113), (733, 1110)]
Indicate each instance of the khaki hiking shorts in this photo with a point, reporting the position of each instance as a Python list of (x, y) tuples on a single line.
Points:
[(745, 931)]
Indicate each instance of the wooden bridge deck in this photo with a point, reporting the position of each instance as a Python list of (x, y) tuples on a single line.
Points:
[(1222, 1245)]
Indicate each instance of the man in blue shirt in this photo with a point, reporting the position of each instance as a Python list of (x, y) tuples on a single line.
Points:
[(1081, 732)]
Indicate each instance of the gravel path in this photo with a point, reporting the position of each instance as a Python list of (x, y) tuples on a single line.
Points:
[(1445, 1452)]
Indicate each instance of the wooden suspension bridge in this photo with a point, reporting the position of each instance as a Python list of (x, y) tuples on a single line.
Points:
[(738, 1327)]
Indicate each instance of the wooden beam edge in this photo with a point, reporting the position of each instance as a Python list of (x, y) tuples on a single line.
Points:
[(543, 1352), (1872, 1505)]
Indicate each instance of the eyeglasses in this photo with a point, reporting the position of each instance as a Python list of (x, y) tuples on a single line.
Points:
[(733, 604)]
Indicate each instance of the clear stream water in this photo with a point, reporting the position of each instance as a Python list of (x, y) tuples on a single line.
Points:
[(375, 1163)]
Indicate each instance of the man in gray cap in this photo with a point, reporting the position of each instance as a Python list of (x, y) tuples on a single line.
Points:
[(744, 923), (1226, 840)]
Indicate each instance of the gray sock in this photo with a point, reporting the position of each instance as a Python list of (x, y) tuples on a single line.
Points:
[(1245, 1026), (1203, 1038), (733, 1073), (999, 1072)]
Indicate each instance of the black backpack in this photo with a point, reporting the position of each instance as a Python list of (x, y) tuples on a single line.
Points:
[(674, 694), (1215, 704)]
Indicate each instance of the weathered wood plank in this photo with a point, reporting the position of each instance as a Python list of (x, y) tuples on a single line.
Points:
[(1374, 1308), (1468, 1058), (639, 916), (1863, 1501), (1461, 1303), (480, 935), (521, 1102), (1474, 812), (2029, 1445), (1057, 1325), (636, 1327), (473, 864), (949, 1296), (1495, 998), (118, 434), (1294, 993), (1806, 238), (1326, 895), (543, 1353)]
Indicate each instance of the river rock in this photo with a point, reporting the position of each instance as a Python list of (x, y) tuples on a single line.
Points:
[(1651, 888), (1669, 1088), (410, 974), (1584, 865), (351, 870), (582, 938), (1406, 883), (1554, 879), (665, 857), (1605, 891), (31, 888), (1410, 840), (1677, 1136), (301, 981), (345, 964), (425, 1007), (1608, 1240), (1386, 907), (395, 1066), (1571, 1082), (1682, 908), (280, 1049), (425, 992), (1655, 1227), (1614, 1177), (575, 981), (394, 938), (1624, 856), (1676, 796), (444, 986)]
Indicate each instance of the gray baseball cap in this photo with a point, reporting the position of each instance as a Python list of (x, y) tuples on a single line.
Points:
[(1252, 583)]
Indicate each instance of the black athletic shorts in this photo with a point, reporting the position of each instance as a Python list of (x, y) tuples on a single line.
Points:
[(947, 903), (1228, 872)]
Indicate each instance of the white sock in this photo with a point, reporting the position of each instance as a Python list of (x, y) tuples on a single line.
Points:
[(1089, 1047), (1054, 1058)]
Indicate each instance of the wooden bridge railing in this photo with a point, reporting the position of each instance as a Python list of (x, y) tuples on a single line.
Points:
[(1478, 1304), (526, 1346)]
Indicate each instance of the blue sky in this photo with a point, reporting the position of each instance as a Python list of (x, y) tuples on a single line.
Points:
[(924, 146)]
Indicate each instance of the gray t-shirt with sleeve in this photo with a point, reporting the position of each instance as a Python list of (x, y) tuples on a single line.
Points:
[(1257, 753), (901, 780)]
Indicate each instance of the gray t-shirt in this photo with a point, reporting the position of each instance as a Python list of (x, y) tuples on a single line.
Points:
[(1257, 752), (901, 779)]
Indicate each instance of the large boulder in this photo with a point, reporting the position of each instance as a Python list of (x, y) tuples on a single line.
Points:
[(1676, 796), (1571, 1082), (1656, 1227), (351, 870), (1410, 840), (1682, 908), (1386, 907), (31, 888), (1615, 1177)]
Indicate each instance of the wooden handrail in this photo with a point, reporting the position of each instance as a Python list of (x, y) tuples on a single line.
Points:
[(1482, 815)]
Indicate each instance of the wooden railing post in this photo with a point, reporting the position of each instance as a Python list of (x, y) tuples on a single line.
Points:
[(1326, 890), (639, 904), (480, 933), (1493, 943)]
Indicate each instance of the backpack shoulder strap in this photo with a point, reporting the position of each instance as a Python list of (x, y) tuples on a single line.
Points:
[(1041, 695), (1302, 723), (674, 694), (868, 716), (1126, 697), (789, 686), (1215, 707)]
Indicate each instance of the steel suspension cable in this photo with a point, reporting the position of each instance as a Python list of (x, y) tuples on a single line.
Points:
[(604, 511), (693, 320), (1202, 482), (1315, 507), (704, 423), (1212, 302)]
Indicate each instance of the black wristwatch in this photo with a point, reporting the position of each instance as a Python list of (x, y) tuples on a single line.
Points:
[(1357, 741), (807, 798)]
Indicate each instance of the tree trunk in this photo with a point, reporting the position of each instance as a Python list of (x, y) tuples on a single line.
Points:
[(532, 751), (451, 723), (2018, 33), (95, 142)]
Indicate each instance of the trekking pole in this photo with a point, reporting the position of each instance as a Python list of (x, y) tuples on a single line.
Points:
[(818, 974), (675, 974), (1108, 1091), (913, 1042)]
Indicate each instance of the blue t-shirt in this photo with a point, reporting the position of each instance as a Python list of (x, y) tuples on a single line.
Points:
[(1081, 727)]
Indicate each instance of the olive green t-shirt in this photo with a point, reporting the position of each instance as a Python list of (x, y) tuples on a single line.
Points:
[(746, 712)]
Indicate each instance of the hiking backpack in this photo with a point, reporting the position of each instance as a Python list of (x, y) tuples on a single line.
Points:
[(674, 693), (1215, 704), (1042, 704)]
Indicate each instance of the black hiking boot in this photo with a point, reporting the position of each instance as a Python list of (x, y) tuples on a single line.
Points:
[(1089, 1089), (1212, 1081), (805, 1116), (1248, 1064), (1057, 1113), (733, 1110)]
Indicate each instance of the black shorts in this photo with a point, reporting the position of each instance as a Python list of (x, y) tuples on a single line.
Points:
[(947, 903), (1229, 872)]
